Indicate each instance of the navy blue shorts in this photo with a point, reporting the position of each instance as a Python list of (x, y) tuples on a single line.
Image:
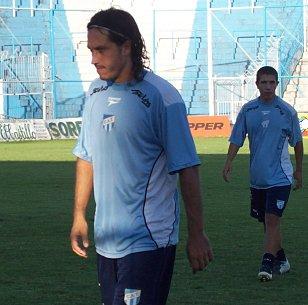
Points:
[(272, 200), (139, 278)]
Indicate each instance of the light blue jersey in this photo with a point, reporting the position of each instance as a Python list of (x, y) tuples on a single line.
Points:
[(137, 137), (270, 127)]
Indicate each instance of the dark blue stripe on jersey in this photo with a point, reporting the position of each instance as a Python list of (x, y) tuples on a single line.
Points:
[(145, 197), (174, 217)]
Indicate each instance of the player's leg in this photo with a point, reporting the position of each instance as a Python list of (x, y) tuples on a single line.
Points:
[(144, 278), (279, 199), (276, 200), (258, 207), (166, 276), (257, 204), (272, 242), (272, 237), (107, 277)]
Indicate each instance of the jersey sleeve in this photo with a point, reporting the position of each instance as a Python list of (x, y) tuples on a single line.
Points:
[(82, 148), (239, 131), (296, 134), (177, 140)]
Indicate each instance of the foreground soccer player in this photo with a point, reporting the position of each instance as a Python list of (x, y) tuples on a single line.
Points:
[(134, 143), (270, 124)]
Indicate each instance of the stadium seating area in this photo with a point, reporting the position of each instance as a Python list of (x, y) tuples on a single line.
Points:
[(245, 34)]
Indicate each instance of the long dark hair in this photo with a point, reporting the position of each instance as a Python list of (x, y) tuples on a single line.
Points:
[(121, 26)]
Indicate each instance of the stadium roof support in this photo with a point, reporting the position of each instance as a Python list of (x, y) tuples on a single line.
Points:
[(210, 60)]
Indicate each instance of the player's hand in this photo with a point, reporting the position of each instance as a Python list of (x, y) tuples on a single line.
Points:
[(79, 237), (298, 177), (227, 171), (199, 251)]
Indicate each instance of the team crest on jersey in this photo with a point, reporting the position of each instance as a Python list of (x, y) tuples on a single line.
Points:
[(108, 121), (132, 296), (280, 204), (265, 123)]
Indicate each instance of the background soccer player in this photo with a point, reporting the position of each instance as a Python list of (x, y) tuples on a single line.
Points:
[(134, 142), (270, 124)]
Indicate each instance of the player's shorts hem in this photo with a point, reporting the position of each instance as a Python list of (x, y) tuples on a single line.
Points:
[(125, 253)]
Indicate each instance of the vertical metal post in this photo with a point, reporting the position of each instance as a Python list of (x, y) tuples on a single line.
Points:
[(154, 41), (42, 77), (53, 63), (195, 43), (210, 59), (14, 8), (31, 8), (232, 112), (31, 46), (281, 82), (265, 37), (2, 110), (242, 88)]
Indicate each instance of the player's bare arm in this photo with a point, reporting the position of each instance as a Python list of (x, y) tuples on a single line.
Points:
[(83, 190), (232, 152), (199, 250), (298, 173)]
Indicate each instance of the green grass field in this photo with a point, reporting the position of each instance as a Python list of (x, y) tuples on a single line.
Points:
[(37, 266)]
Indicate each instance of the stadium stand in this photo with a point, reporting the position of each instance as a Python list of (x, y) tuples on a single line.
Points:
[(46, 72)]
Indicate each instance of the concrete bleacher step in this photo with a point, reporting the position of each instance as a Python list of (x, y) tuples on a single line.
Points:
[(301, 104), (202, 86), (187, 99), (199, 99), (290, 94), (195, 104), (292, 87), (82, 51), (303, 69), (301, 100), (302, 81), (188, 85), (198, 110), (173, 75)]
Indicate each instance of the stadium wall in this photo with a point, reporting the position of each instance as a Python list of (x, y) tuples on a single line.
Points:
[(69, 128)]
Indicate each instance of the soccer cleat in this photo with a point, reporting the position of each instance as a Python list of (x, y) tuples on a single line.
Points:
[(281, 267), (265, 273), (281, 263)]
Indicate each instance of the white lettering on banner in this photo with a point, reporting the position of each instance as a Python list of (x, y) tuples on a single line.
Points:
[(38, 129), (41, 130), (64, 128), (23, 130)]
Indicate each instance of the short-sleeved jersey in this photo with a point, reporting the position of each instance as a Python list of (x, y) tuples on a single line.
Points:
[(270, 126), (137, 138)]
